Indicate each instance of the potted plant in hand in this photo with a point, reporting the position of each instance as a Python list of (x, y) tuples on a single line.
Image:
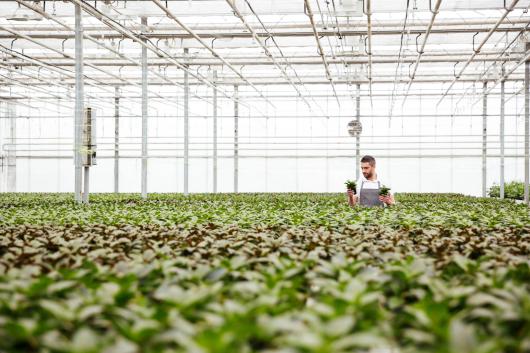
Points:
[(351, 185), (384, 191)]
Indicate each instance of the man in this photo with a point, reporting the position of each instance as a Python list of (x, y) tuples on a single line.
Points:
[(368, 187)]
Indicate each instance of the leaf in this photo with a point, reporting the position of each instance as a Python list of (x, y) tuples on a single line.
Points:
[(84, 340), (462, 337), (60, 311), (122, 345)]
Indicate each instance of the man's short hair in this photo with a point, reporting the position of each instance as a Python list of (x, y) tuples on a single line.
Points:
[(368, 159)]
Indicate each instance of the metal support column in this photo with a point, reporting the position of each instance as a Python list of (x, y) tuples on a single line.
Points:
[(144, 116), (358, 137), (12, 152), (214, 133), (501, 132), (526, 127), (186, 125), (86, 184), (116, 139), (236, 139), (79, 101), (484, 135)]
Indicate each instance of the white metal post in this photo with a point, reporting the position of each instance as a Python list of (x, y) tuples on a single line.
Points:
[(236, 139), (501, 132), (79, 101), (116, 139), (484, 135), (12, 152), (526, 128), (214, 133), (86, 183), (144, 116), (186, 126), (358, 137)]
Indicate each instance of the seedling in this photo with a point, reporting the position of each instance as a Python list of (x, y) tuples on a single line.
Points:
[(384, 191), (351, 185)]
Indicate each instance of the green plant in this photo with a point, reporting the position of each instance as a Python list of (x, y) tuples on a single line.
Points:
[(384, 190), (263, 272), (351, 185), (512, 190)]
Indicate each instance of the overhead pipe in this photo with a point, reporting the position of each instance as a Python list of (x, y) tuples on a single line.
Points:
[(40, 63), (150, 46), (399, 61), (463, 26), (476, 51), (99, 43), (20, 84), (309, 13), (62, 53), (339, 35), (68, 56), (266, 50), (210, 49), (293, 61), (422, 50), (343, 156), (499, 58), (20, 98), (265, 81), (505, 77), (45, 81), (133, 36), (285, 59)]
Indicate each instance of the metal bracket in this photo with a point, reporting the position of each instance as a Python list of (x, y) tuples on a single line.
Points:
[(13, 42), (213, 40), (62, 44), (410, 76), (430, 7), (454, 69), (419, 52), (364, 11), (365, 50), (119, 44), (504, 5), (476, 51)]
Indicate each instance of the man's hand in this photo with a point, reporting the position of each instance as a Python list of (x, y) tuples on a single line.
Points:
[(352, 198), (388, 199)]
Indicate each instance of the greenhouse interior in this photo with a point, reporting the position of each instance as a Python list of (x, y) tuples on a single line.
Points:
[(281, 176)]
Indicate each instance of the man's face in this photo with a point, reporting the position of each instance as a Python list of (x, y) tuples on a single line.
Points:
[(368, 170)]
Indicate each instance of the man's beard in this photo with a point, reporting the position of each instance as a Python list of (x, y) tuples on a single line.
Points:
[(367, 175)]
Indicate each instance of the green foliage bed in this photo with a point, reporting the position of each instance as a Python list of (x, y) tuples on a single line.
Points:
[(512, 190), (263, 273)]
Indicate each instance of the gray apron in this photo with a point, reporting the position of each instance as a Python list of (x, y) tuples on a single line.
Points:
[(370, 197)]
